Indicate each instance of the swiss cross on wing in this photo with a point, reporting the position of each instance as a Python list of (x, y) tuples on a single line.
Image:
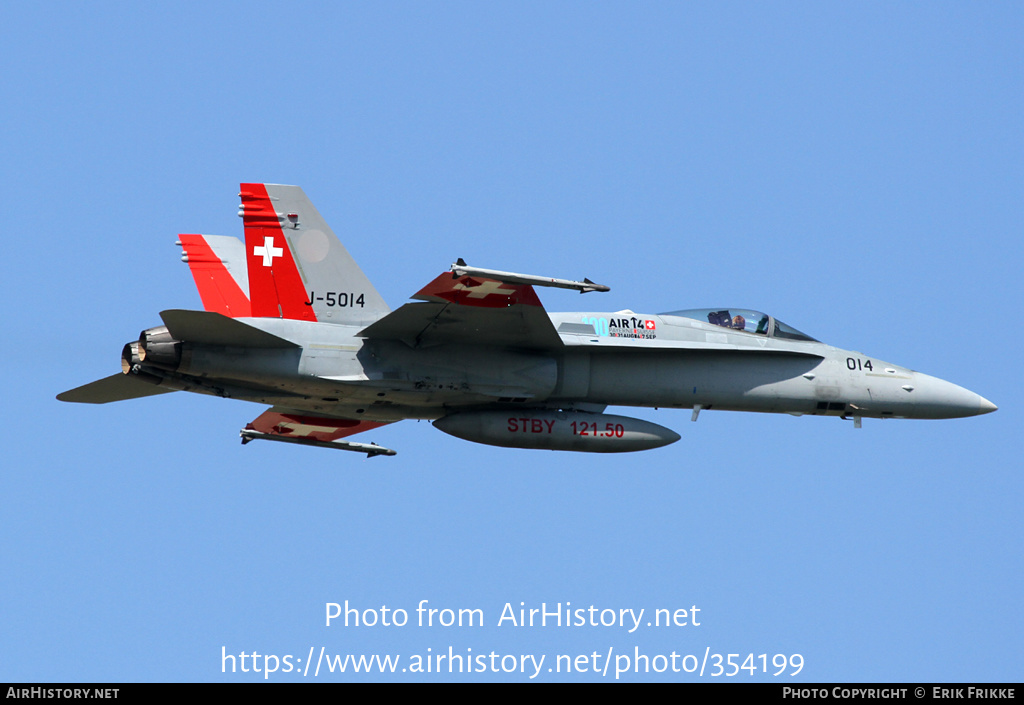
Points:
[(649, 325), (477, 291), (484, 288), (298, 428)]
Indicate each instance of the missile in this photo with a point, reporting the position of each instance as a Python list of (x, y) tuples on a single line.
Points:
[(461, 269), (557, 430), (371, 449)]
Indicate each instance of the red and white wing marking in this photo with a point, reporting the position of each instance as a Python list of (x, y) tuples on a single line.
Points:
[(315, 428), (323, 431), (477, 291), (218, 266), (470, 310)]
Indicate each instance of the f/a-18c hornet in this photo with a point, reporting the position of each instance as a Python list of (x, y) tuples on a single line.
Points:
[(291, 321)]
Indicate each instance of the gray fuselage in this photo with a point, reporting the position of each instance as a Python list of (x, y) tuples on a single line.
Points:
[(607, 359)]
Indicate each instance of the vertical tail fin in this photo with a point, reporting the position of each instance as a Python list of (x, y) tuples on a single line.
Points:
[(297, 266), (219, 269)]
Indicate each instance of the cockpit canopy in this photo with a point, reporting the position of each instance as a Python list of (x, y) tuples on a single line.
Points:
[(744, 320)]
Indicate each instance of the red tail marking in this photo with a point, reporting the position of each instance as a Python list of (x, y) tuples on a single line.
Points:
[(217, 288), (275, 287)]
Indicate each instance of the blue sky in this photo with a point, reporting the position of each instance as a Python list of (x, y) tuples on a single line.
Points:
[(855, 170)]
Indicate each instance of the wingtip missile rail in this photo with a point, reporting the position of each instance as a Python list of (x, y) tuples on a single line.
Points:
[(461, 269), (371, 449)]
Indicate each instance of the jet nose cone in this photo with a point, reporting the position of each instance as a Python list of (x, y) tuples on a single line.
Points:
[(986, 407), (938, 399)]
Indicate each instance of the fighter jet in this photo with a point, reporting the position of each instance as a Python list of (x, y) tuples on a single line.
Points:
[(291, 321)]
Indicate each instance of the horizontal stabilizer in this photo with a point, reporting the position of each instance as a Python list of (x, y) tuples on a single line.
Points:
[(208, 328), (113, 388)]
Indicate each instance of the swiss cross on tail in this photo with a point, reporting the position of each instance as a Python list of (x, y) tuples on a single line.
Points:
[(298, 268), (268, 252), (275, 288)]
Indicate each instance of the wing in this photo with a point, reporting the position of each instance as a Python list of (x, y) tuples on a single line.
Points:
[(470, 310), (218, 266), (292, 426), (113, 388)]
